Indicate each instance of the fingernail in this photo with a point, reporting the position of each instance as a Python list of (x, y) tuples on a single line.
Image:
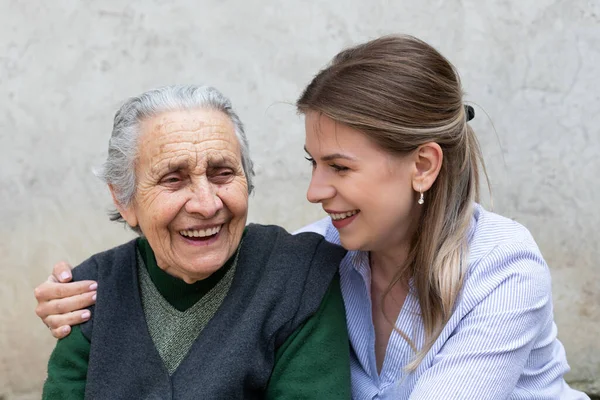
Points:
[(94, 297), (65, 329), (64, 276), (85, 315), (93, 286)]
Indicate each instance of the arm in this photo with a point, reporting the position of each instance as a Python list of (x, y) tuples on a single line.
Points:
[(67, 368), (61, 304), (314, 362), (486, 354)]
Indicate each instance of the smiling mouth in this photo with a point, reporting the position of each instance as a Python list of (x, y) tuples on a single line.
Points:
[(200, 235), (344, 215)]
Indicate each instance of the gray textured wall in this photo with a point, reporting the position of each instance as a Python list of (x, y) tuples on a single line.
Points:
[(65, 66)]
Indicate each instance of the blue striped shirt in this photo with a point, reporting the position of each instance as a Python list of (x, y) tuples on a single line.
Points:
[(500, 342)]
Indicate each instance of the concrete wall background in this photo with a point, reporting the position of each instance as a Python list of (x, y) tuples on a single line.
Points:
[(65, 66)]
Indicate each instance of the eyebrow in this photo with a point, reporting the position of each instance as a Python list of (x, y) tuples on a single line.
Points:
[(170, 167), (333, 156), (220, 161)]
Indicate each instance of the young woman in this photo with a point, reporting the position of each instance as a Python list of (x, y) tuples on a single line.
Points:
[(443, 298)]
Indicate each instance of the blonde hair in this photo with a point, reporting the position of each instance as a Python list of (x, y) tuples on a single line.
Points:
[(402, 93)]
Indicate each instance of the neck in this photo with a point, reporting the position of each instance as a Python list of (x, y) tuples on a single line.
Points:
[(385, 264), (390, 258)]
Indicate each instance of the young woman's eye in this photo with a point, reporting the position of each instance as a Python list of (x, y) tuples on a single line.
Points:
[(339, 168), (311, 161)]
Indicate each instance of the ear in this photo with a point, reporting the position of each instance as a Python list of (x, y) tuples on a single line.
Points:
[(428, 162), (128, 213)]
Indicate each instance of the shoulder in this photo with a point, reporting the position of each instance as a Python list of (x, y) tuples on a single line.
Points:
[(499, 240), (319, 227), (322, 227), (490, 230), (302, 245), (504, 256), (298, 268), (108, 268), (101, 263)]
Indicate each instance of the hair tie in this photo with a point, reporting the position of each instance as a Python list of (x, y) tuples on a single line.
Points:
[(470, 111)]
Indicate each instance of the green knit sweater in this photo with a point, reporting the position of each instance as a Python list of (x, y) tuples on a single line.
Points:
[(175, 327), (307, 366)]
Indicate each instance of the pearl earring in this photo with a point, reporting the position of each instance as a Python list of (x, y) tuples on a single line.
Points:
[(421, 198)]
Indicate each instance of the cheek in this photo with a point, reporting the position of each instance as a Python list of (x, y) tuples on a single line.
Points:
[(397, 205), (235, 198), (239, 205), (386, 199), (164, 209)]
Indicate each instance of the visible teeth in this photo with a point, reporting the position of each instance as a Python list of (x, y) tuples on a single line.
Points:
[(336, 217), (201, 232)]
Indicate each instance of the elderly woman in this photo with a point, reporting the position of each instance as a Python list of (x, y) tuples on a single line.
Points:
[(200, 305)]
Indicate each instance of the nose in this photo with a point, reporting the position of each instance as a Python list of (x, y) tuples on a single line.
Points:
[(319, 188), (204, 200)]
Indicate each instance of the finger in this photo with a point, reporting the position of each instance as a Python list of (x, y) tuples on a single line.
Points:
[(65, 305), (62, 272), (56, 322), (61, 332), (51, 278), (51, 291)]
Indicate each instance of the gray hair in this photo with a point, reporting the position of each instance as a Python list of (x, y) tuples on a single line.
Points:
[(119, 168)]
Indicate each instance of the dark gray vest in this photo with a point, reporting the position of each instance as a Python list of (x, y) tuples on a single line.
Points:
[(279, 282)]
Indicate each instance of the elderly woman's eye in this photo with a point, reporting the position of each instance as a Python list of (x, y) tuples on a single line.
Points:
[(170, 179), (222, 175)]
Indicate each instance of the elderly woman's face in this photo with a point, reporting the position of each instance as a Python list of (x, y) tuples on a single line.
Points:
[(191, 200)]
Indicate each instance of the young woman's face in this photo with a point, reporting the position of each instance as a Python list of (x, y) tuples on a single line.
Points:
[(367, 191)]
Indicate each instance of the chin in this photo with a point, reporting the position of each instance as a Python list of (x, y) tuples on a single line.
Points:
[(196, 276), (350, 245), (198, 272), (206, 271)]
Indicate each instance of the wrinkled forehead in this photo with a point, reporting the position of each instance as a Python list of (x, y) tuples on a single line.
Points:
[(199, 134)]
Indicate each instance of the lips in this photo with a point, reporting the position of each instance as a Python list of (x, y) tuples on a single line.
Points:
[(341, 219), (342, 215), (193, 233), (201, 233)]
